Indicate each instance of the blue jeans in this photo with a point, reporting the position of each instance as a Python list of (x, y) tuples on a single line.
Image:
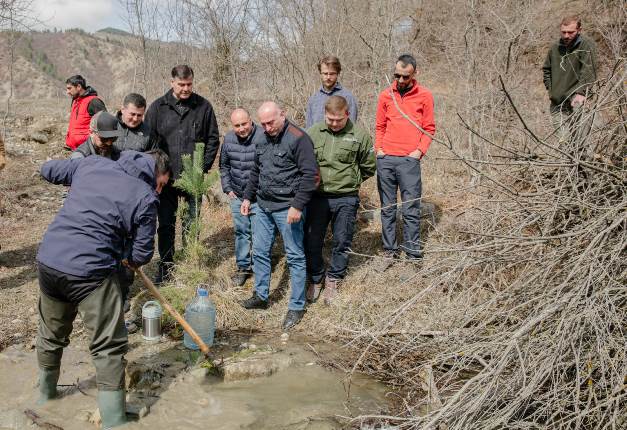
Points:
[(243, 233), (265, 225)]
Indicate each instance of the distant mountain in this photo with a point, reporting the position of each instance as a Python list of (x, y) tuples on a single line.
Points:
[(115, 31)]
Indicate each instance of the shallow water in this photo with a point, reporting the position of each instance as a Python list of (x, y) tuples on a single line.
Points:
[(303, 396)]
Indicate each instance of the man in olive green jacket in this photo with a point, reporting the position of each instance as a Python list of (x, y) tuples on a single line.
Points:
[(346, 158), (568, 72)]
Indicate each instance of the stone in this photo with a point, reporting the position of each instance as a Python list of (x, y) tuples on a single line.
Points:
[(256, 368), (84, 416), (94, 418), (174, 369), (16, 321), (144, 411), (199, 375), (38, 137)]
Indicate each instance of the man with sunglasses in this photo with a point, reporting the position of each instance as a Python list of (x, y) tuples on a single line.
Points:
[(403, 132), (103, 131)]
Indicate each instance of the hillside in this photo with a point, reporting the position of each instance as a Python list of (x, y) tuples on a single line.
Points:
[(43, 60)]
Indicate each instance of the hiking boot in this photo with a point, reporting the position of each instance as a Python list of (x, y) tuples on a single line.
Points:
[(384, 261), (313, 292), (292, 318), (413, 258), (164, 273), (255, 302), (330, 290), (239, 278)]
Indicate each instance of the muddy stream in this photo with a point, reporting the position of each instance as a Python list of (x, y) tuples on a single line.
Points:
[(260, 382)]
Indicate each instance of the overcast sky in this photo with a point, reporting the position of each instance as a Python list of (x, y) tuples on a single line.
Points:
[(90, 15)]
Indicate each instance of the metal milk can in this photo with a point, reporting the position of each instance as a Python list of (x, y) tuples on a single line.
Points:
[(151, 320)]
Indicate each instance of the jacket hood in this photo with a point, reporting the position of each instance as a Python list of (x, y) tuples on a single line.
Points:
[(138, 165), (90, 91)]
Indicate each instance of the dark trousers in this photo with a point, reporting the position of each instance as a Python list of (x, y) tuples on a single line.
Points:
[(341, 212), (394, 173), (103, 317), (168, 205)]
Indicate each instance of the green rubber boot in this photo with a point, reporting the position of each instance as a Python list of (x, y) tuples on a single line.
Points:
[(112, 405), (47, 385)]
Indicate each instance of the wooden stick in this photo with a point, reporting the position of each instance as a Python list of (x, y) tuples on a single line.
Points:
[(155, 292)]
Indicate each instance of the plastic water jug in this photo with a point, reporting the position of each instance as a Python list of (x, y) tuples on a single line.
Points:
[(151, 321), (201, 315)]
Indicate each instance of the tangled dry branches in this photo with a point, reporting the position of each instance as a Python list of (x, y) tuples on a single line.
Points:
[(528, 329)]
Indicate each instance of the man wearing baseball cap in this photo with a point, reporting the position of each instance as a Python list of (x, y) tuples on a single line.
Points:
[(103, 131)]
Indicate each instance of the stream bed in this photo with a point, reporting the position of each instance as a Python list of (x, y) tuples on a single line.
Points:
[(263, 383)]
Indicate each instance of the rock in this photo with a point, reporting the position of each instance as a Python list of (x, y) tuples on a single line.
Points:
[(256, 368), (94, 418), (16, 321), (199, 375), (285, 337), (144, 411), (83, 416), (174, 369), (38, 137)]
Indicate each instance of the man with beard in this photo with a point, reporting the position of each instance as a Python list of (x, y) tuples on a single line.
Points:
[(404, 129), (568, 72), (85, 104), (103, 131)]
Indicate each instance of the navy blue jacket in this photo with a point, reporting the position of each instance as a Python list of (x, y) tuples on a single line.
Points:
[(109, 201), (237, 159), (285, 170)]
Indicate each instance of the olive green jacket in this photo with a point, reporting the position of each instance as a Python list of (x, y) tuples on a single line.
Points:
[(569, 70), (345, 159)]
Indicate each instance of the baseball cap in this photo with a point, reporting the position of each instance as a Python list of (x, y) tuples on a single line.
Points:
[(105, 125)]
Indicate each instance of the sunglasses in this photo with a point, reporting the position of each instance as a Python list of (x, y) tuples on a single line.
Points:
[(399, 76)]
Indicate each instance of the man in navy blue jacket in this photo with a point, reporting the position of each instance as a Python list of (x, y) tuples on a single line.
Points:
[(79, 258), (237, 159)]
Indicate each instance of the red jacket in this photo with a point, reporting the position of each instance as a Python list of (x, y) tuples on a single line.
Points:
[(395, 135), (78, 129)]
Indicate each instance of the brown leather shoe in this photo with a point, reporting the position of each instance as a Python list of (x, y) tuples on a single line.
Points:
[(313, 292), (330, 290)]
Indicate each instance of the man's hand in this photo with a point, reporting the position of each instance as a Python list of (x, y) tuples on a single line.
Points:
[(130, 264), (293, 215), (417, 154), (380, 153), (245, 207), (231, 195), (578, 100)]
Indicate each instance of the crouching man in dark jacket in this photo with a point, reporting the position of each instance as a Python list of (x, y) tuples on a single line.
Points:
[(78, 260)]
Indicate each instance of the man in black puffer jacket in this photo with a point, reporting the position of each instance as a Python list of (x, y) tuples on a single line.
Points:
[(237, 159), (177, 121)]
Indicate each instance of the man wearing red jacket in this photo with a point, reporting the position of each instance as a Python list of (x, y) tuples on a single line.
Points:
[(85, 104), (404, 128)]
